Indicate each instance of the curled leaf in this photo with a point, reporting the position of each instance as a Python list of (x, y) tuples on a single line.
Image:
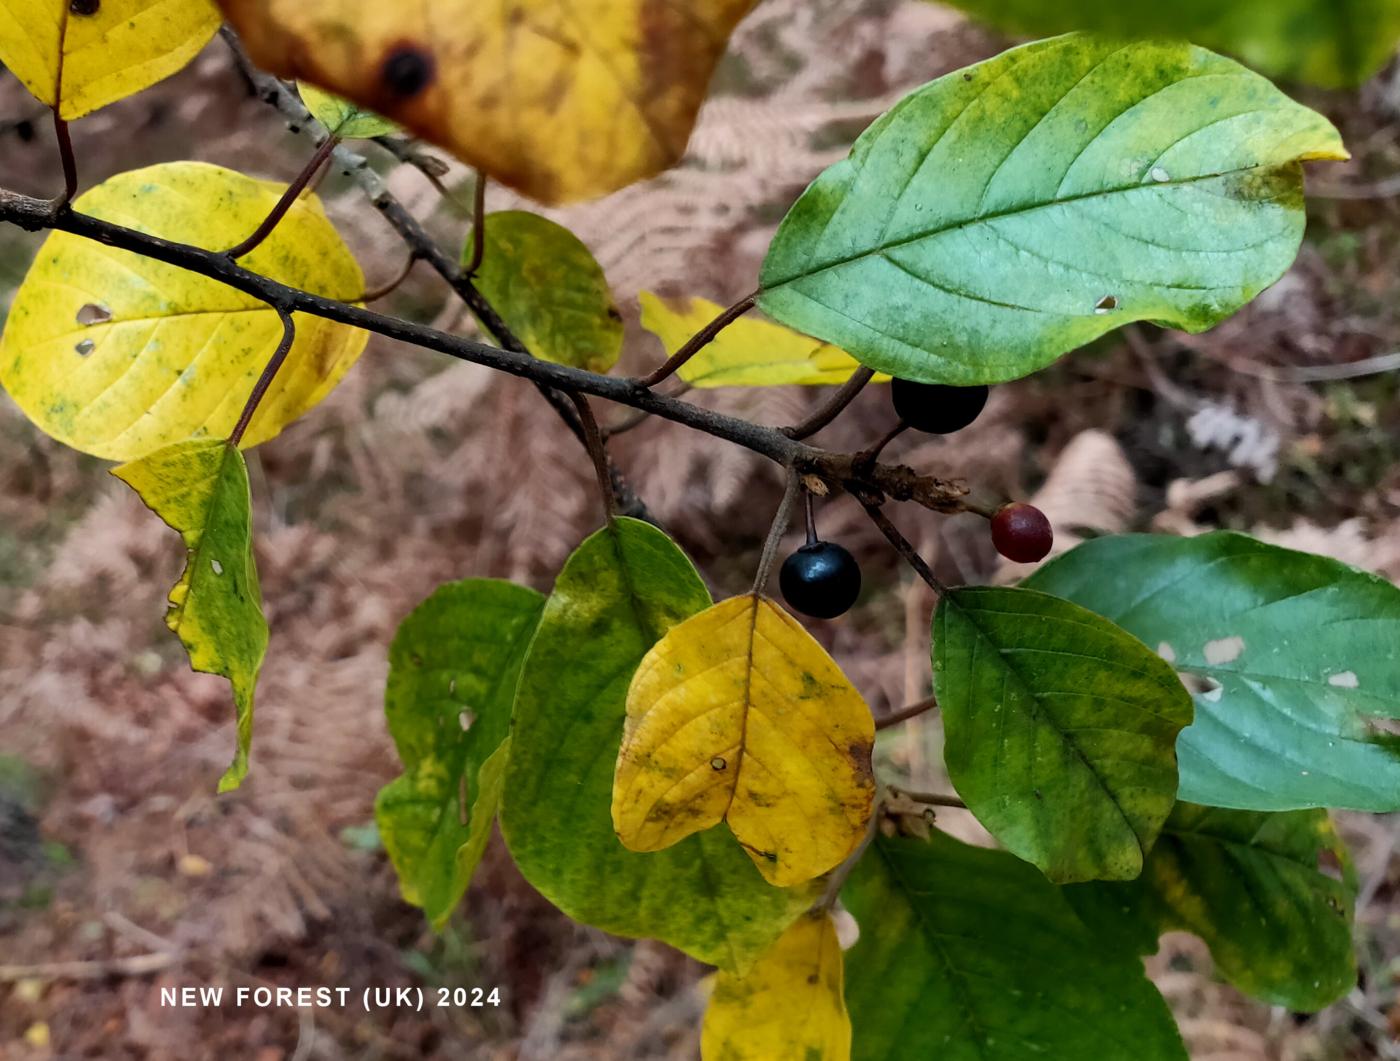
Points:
[(201, 490)]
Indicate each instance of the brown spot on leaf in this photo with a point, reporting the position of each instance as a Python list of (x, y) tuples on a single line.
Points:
[(407, 70)]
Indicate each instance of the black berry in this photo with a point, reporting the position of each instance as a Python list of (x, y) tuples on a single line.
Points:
[(821, 580), (936, 408), (1022, 533)]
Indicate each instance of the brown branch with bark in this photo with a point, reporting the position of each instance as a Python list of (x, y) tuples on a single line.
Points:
[(871, 483)]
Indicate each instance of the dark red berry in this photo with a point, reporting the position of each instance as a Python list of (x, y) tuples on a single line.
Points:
[(821, 580), (935, 408), (1022, 533)]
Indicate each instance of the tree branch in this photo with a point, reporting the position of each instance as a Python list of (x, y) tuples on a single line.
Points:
[(904, 714), (845, 394), (273, 92), (871, 484)]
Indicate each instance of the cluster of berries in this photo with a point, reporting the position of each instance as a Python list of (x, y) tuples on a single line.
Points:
[(822, 579)]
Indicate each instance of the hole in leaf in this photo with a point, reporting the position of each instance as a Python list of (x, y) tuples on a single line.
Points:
[(465, 719), (1107, 304), (85, 7), (94, 313), (85, 347)]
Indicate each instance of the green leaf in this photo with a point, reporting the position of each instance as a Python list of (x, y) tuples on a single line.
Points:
[(1332, 43), (343, 118), (1249, 885), (201, 490), (453, 668), (620, 591), (1298, 653), (550, 289), (1060, 729), (967, 954), (1007, 213)]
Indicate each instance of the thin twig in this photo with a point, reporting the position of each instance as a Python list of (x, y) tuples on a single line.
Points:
[(137, 965), (637, 417), (775, 533), (478, 225), (431, 167), (904, 714), (904, 548), (871, 455), (845, 394), (269, 373), (68, 159), (597, 450), (699, 340), (933, 799), (375, 294), (289, 198)]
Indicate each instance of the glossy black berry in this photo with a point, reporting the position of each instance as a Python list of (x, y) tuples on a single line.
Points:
[(821, 580), (1021, 532), (935, 408)]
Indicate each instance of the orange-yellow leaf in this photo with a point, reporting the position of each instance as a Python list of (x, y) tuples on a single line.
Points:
[(790, 1005), (559, 100), (738, 715)]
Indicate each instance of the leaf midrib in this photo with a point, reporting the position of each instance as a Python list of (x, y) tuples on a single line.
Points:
[(884, 247)]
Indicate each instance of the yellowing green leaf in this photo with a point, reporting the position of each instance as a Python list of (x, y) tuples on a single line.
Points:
[(749, 353), (550, 289), (617, 595), (79, 62), (201, 490), (343, 118), (1278, 924), (790, 1005), (738, 715), (1004, 214), (561, 101), (118, 355), (453, 668)]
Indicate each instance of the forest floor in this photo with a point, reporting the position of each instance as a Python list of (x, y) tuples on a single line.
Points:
[(122, 873)]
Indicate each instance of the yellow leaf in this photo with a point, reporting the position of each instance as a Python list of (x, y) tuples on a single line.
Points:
[(37, 1035), (118, 355), (738, 715), (79, 61), (561, 101), (791, 1005), (751, 352)]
